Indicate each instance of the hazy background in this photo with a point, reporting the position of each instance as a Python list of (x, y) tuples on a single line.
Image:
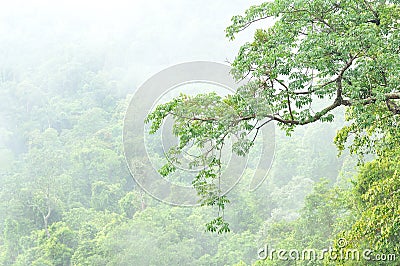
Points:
[(67, 72), (141, 37)]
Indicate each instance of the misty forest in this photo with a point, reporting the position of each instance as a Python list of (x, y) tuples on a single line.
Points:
[(323, 74)]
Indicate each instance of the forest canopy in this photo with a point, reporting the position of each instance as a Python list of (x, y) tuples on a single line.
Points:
[(343, 53), (326, 72)]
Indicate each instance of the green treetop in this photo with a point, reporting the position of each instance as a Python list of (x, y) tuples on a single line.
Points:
[(318, 56)]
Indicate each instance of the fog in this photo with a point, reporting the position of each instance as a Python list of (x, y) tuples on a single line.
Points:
[(142, 37), (67, 72)]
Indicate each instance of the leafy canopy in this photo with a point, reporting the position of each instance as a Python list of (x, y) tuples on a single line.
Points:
[(318, 56)]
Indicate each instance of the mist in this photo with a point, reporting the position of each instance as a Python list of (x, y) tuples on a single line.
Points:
[(68, 70)]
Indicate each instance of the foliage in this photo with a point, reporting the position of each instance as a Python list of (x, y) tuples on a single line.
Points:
[(67, 198), (317, 53), (376, 203)]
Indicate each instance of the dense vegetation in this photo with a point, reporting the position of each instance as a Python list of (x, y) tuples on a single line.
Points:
[(67, 197), (336, 54)]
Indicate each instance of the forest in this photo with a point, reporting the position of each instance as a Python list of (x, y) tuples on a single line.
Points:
[(326, 74)]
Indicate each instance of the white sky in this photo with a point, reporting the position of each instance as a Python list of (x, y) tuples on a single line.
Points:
[(153, 33)]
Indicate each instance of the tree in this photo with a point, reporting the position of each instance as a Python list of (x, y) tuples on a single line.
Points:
[(325, 53), (376, 201), (44, 168)]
